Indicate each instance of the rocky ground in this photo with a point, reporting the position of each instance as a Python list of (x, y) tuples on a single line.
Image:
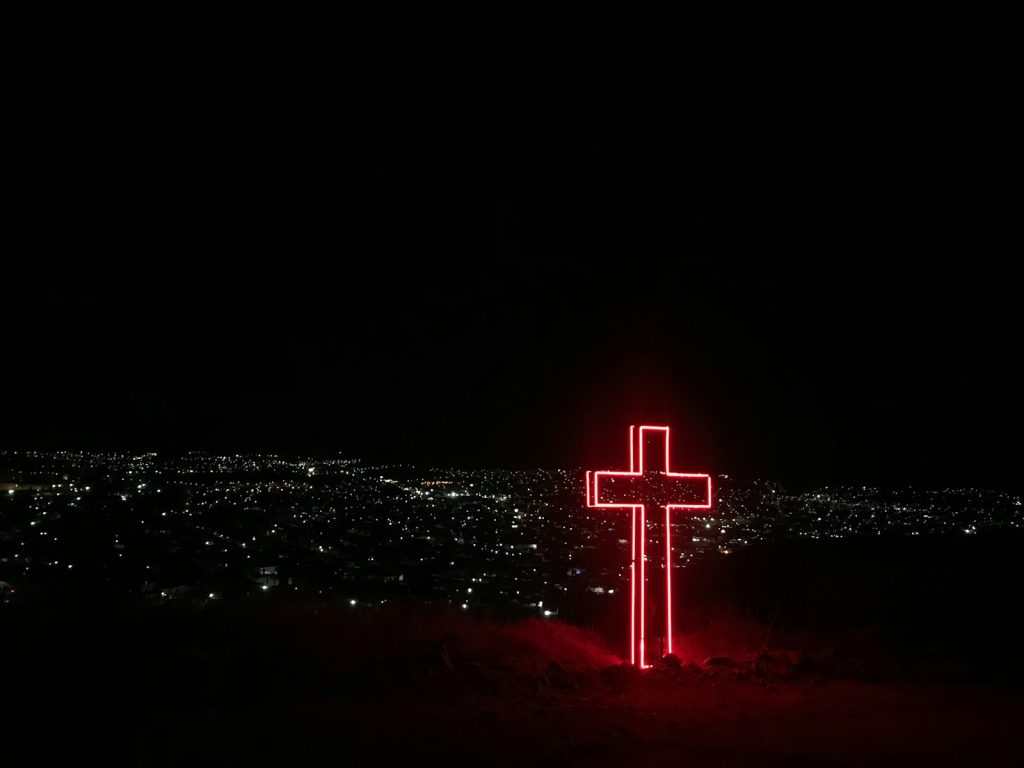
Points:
[(288, 684), (542, 693)]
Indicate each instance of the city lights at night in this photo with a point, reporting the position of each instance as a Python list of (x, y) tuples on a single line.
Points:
[(204, 526)]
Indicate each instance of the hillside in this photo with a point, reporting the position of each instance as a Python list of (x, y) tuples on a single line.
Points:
[(286, 684)]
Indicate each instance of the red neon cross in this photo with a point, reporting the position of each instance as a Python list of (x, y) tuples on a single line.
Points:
[(647, 483)]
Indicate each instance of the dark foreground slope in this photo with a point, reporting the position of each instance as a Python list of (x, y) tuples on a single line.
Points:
[(297, 686), (883, 680)]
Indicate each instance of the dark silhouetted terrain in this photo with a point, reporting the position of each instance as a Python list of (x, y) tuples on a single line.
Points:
[(855, 653)]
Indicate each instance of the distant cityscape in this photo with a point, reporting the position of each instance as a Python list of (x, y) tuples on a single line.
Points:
[(199, 528)]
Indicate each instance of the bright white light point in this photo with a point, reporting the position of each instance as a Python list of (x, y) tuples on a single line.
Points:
[(547, 613), (264, 587), (470, 589), (465, 606), (211, 595), (351, 602)]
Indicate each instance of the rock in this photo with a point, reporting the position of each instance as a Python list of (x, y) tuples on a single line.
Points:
[(720, 661), (822, 662), (621, 677), (483, 679), (557, 675), (776, 665), (588, 678), (671, 660), (555, 668)]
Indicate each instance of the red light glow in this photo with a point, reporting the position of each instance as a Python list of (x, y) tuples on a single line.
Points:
[(635, 490)]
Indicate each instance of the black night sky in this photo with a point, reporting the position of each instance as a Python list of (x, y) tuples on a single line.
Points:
[(792, 322)]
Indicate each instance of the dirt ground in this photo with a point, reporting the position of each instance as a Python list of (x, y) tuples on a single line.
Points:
[(323, 686), (662, 719), (536, 694)]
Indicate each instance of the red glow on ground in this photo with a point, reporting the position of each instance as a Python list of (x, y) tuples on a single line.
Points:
[(634, 491)]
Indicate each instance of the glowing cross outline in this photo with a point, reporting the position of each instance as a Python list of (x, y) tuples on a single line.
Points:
[(593, 496)]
